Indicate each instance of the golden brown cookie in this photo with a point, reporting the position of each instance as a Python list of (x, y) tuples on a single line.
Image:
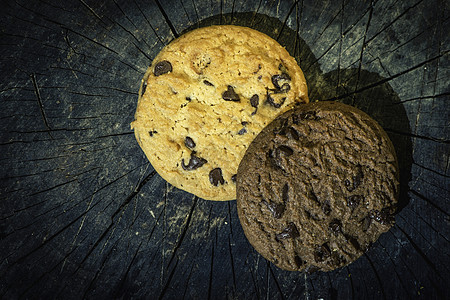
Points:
[(205, 97), (317, 186)]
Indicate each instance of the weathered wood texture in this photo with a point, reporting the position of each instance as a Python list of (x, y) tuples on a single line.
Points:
[(83, 213)]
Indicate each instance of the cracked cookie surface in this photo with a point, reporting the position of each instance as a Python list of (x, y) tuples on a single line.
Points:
[(205, 97), (317, 186)]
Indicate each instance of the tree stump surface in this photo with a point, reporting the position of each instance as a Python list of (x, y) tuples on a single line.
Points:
[(84, 215)]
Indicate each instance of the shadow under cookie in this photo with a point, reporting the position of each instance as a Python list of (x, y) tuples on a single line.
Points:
[(365, 90)]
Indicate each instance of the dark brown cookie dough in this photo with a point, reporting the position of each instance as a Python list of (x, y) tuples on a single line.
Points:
[(317, 186)]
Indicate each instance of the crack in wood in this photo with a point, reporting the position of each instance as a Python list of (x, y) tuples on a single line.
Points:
[(183, 231), (428, 224), (114, 134), (428, 138), (431, 170), (411, 226), (211, 271), (169, 23), (393, 21), (380, 82), (331, 20), (422, 98), (52, 188), (101, 267), (377, 276), (196, 11), (399, 277), (93, 12), (420, 252), (166, 286), (127, 271), (37, 38), (252, 22), (101, 45), (232, 264), (350, 28), (43, 275), (363, 46), (187, 281), (286, 19), (277, 284), (41, 106), (130, 33), (120, 209), (148, 22)]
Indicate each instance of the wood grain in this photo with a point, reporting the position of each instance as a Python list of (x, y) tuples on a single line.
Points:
[(84, 215)]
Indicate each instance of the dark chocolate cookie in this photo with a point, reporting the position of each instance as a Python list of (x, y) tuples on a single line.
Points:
[(317, 186)]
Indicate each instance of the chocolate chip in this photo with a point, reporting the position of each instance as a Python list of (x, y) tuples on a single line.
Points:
[(162, 67), (152, 132), (285, 150), (254, 101), (233, 178), (354, 200), (286, 87), (311, 215), (270, 101), (383, 217), (230, 95), (215, 177), (279, 77), (298, 261), (322, 253), (289, 232), (189, 142), (242, 131), (366, 223), (208, 83), (353, 241), (292, 134), (326, 208), (144, 87), (285, 193), (348, 185), (313, 197), (276, 209), (282, 129), (275, 160), (195, 162), (188, 99), (357, 180), (335, 226)]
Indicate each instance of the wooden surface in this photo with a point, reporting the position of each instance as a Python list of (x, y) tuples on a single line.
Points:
[(83, 213)]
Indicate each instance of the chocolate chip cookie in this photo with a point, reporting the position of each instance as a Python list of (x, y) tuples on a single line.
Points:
[(317, 186), (203, 100)]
